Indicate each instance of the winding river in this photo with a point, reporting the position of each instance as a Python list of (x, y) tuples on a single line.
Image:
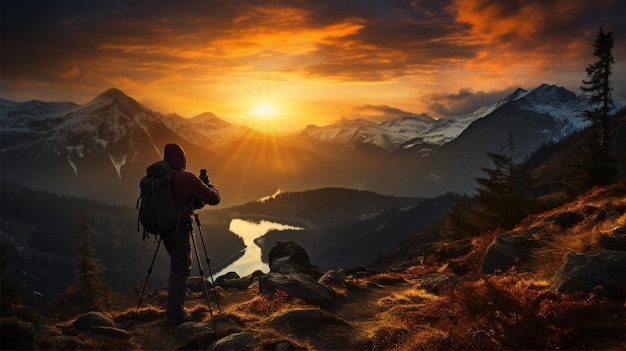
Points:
[(250, 261)]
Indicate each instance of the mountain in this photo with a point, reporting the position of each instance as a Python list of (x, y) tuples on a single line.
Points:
[(545, 114), (98, 150), (206, 129), (101, 149), (348, 134)]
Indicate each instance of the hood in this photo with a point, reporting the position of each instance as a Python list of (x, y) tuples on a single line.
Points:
[(175, 156)]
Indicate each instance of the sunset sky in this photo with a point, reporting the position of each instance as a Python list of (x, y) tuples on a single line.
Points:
[(289, 63)]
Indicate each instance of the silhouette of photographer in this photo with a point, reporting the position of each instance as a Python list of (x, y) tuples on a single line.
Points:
[(189, 192)]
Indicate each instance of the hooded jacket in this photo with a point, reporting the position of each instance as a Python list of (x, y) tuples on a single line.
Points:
[(186, 187)]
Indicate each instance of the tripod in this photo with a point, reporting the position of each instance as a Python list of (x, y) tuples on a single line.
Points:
[(201, 271), (145, 284)]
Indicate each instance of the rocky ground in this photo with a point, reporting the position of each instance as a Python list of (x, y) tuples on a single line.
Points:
[(554, 281)]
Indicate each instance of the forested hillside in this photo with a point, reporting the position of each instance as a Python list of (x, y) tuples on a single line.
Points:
[(40, 232)]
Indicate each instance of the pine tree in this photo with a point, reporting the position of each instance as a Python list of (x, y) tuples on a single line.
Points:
[(500, 197), (599, 84), (89, 285), (594, 167), (457, 223)]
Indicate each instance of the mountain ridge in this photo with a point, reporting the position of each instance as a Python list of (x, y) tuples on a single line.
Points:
[(112, 138)]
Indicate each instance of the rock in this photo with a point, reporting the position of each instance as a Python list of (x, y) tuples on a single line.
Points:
[(434, 282), (93, 319), (333, 277), (565, 220), (438, 251), (237, 341), (110, 332), (254, 276), (17, 335), (584, 272), (190, 336), (615, 240), (307, 323), (298, 285), (194, 284), (508, 250), (353, 270), (221, 280), (288, 257)]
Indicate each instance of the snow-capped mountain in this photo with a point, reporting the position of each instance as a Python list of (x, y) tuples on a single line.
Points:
[(427, 134), (101, 149), (205, 129), (350, 133), (96, 149), (541, 115)]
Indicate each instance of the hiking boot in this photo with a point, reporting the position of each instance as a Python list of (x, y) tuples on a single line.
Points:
[(178, 318)]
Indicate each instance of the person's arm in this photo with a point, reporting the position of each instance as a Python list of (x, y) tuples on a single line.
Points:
[(207, 193)]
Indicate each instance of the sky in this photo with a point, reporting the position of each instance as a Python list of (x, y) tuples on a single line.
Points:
[(284, 64)]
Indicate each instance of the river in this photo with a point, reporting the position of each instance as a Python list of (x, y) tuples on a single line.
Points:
[(251, 259)]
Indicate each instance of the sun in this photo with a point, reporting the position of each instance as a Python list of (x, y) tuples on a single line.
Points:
[(264, 110)]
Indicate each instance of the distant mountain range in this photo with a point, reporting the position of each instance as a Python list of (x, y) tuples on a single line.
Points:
[(101, 149)]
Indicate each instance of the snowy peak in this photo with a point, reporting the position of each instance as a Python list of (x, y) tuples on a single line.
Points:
[(550, 93), (209, 120), (388, 135), (113, 95)]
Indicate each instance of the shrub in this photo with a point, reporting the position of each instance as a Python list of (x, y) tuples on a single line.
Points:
[(496, 313)]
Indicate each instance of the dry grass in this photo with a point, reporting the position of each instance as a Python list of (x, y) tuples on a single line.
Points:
[(603, 209)]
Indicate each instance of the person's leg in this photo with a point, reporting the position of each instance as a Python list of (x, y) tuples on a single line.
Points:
[(179, 249)]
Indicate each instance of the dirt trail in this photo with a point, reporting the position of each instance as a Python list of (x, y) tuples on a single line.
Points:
[(358, 308)]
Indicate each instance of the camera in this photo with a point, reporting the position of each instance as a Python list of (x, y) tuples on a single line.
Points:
[(204, 177)]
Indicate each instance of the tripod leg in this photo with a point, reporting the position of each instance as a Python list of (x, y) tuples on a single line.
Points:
[(145, 284), (208, 262), (206, 291)]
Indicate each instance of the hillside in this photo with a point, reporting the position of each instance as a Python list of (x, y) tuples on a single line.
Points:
[(406, 309)]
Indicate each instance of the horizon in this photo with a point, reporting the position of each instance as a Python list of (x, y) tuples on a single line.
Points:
[(278, 65)]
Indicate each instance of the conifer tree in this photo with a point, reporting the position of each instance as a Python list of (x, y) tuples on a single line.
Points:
[(457, 223), (500, 197), (594, 167), (599, 84), (89, 283)]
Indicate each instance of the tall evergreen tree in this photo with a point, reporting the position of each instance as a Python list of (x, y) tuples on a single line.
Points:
[(500, 197), (599, 84), (593, 167), (457, 223), (89, 283)]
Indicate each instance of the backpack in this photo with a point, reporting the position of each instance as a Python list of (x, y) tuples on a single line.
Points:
[(157, 213)]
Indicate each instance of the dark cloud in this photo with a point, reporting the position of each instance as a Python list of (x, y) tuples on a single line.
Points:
[(91, 45), (378, 113), (463, 102)]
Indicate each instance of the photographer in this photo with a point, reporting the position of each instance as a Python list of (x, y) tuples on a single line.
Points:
[(188, 192)]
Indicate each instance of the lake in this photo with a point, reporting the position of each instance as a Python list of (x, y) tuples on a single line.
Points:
[(251, 259)]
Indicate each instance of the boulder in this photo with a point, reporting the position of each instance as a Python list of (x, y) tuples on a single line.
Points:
[(194, 284), (228, 276), (236, 341), (333, 277), (298, 285), (288, 257), (565, 220), (615, 240), (439, 251), (434, 282), (308, 324), (190, 336), (508, 250), (584, 272), (111, 332), (93, 319)]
